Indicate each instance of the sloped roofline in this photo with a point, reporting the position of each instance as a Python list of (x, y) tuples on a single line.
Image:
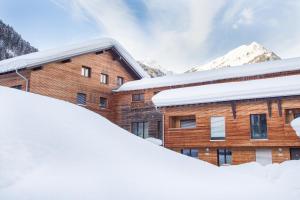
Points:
[(44, 57)]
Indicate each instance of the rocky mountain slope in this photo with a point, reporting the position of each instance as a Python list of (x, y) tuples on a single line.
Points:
[(245, 54), (152, 69), (12, 44)]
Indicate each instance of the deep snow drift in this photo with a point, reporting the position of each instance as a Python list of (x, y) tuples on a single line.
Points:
[(50, 149)]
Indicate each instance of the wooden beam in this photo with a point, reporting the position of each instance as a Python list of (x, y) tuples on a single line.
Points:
[(269, 103), (279, 104), (233, 108)]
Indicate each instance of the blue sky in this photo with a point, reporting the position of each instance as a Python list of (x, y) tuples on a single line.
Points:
[(177, 34)]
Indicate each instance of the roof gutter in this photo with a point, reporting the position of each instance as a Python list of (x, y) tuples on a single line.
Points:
[(23, 77)]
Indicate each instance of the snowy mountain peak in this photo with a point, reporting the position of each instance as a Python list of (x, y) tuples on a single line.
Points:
[(245, 54)]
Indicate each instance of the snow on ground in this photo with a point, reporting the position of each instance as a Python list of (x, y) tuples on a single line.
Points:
[(51, 149), (261, 88)]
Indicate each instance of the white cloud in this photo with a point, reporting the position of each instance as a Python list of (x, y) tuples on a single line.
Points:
[(176, 29), (246, 17)]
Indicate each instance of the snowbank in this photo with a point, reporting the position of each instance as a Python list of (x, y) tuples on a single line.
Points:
[(296, 125), (154, 141), (284, 65), (270, 87), (51, 149)]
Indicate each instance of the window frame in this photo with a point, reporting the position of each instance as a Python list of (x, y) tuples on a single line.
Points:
[(105, 80), (294, 112), (122, 80), (85, 69), (227, 156), (223, 129), (85, 99), (106, 102), (252, 135), (140, 98), (145, 125), (190, 153)]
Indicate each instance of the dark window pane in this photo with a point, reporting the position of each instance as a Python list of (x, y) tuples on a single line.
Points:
[(18, 87), (138, 97), (190, 152), (224, 157), (258, 126), (103, 102), (187, 123), (140, 129), (194, 153), (81, 99), (186, 152)]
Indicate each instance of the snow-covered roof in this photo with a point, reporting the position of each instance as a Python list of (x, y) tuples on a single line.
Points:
[(43, 57), (296, 125), (290, 64), (262, 88)]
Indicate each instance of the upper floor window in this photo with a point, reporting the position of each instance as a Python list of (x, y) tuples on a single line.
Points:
[(291, 114), (138, 97), (183, 121), (86, 71), (258, 126), (217, 128), (190, 152), (18, 87), (103, 102), (81, 99), (140, 129), (224, 157), (120, 80), (103, 78)]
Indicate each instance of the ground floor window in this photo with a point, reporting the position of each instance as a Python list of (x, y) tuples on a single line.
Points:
[(264, 156), (224, 157), (295, 153), (190, 152), (140, 129), (18, 87)]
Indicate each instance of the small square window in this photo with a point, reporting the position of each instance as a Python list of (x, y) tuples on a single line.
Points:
[(120, 80), (81, 99), (86, 71), (103, 102), (103, 78), (138, 97), (190, 152)]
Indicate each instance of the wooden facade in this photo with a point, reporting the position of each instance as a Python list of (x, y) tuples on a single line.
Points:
[(280, 135), (63, 80)]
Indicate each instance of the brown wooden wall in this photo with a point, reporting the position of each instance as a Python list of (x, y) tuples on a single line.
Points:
[(238, 136), (63, 80)]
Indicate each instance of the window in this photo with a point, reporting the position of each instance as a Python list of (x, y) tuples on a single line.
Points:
[(190, 152), (217, 128), (264, 156), (159, 129), (291, 114), (183, 121), (140, 129), (120, 80), (103, 102), (81, 99), (138, 97), (86, 71), (18, 87), (103, 78), (258, 126), (224, 157), (295, 153)]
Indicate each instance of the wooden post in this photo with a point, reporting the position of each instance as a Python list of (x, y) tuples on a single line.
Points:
[(269, 103), (279, 104), (233, 108)]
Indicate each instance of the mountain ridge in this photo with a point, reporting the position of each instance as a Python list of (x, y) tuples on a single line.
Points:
[(244, 54)]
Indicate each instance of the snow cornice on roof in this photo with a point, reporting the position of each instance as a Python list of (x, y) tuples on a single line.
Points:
[(245, 90), (263, 68), (58, 54)]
